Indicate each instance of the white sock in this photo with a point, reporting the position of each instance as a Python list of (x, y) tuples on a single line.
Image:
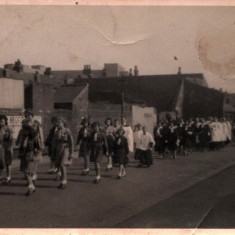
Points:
[(34, 177), (97, 177), (31, 186)]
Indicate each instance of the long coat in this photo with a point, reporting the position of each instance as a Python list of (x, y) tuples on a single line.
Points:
[(6, 146), (62, 147), (84, 139), (99, 146), (122, 149)]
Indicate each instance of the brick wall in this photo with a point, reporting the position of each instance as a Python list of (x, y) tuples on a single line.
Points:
[(43, 103), (100, 111), (80, 110)]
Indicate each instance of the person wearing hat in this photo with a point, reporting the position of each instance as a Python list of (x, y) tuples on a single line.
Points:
[(99, 148), (84, 143), (63, 148), (30, 140), (6, 149), (122, 150)]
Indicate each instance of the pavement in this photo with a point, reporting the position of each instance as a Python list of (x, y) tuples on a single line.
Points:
[(171, 193)]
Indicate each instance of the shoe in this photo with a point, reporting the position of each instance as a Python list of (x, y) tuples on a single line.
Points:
[(55, 170), (140, 166), (109, 168), (50, 171), (96, 181), (119, 177), (30, 192), (62, 186), (7, 180), (85, 172), (2, 179)]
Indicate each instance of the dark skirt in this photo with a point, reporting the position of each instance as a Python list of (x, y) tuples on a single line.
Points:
[(97, 153), (146, 157), (26, 159), (85, 149), (122, 157), (110, 142), (6, 156)]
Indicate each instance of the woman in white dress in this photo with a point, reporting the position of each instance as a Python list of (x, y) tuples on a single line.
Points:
[(128, 134)]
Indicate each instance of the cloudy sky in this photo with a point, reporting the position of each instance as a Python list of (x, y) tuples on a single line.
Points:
[(157, 39)]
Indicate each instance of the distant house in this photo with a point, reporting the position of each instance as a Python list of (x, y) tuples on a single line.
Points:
[(71, 103), (229, 106)]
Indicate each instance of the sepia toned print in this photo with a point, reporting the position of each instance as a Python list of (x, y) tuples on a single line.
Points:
[(117, 117)]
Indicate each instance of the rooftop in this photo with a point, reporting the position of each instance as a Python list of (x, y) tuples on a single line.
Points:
[(67, 94)]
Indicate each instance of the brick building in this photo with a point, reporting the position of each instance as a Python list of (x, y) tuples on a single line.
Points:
[(229, 106), (108, 104), (71, 102), (178, 95)]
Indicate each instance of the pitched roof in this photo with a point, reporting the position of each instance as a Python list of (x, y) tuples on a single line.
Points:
[(158, 91), (201, 101), (67, 94)]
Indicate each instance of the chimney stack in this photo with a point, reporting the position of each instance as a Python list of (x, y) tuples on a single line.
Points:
[(4, 73), (136, 71), (179, 70), (130, 73)]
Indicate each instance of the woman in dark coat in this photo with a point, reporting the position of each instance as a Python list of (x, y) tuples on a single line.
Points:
[(28, 153), (204, 135), (99, 147), (30, 140), (122, 150), (6, 149), (160, 139), (48, 143), (84, 143), (172, 139), (188, 137)]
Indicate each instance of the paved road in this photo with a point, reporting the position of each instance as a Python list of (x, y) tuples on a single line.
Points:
[(208, 204), (117, 203)]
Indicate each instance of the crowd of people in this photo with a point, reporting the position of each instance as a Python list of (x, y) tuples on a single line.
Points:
[(191, 135), (113, 141)]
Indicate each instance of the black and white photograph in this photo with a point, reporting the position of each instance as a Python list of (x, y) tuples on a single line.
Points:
[(117, 117)]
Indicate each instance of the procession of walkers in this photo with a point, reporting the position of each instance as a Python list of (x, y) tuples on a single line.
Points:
[(113, 142)]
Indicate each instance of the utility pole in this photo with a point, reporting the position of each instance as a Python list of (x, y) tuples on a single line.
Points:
[(122, 93)]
